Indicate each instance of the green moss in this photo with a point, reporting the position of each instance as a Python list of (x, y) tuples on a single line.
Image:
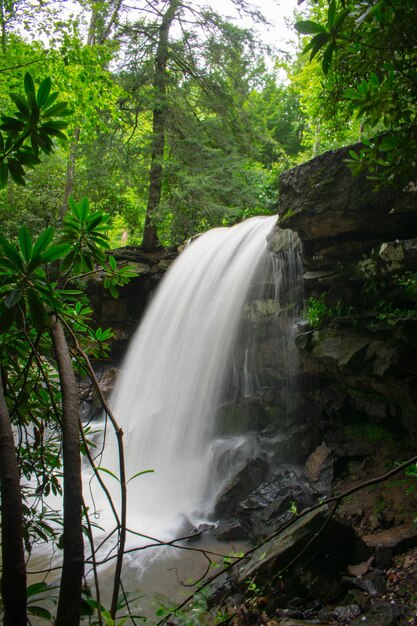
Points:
[(373, 432), (289, 213)]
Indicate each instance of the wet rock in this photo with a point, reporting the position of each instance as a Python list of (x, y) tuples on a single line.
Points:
[(381, 614), (240, 486), (296, 443), (233, 529), (196, 532), (346, 613), (304, 558), (339, 348), (313, 201), (222, 589), (392, 541), (280, 240), (319, 462), (357, 597), (106, 382), (299, 622), (373, 582)]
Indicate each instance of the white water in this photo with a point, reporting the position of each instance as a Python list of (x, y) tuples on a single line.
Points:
[(171, 381)]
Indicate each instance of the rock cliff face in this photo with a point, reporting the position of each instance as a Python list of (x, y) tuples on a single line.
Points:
[(359, 275), (357, 349)]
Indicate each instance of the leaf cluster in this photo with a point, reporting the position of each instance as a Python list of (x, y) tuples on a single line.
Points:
[(30, 130), (368, 54)]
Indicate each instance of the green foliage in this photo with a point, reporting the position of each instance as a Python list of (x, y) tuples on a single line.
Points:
[(90, 606), (33, 290), (317, 311), (30, 129), (368, 57), (85, 232), (408, 282), (369, 431)]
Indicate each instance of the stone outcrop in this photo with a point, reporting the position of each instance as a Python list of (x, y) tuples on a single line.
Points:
[(358, 243), (338, 216)]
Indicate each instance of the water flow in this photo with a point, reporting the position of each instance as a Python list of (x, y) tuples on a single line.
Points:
[(172, 378)]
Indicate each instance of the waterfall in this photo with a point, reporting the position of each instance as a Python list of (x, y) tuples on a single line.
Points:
[(193, 355)]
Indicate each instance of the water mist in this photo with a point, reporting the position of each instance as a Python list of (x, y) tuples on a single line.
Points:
[(194, 354)]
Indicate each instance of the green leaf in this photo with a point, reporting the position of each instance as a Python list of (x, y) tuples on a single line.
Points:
[(29, 84), (4, 174), (387, 143), (27, 158), (112, 263), (25, 242), (39, 611), (54, 133), (106, 471), (43, 240), (354, 155), (43, 92), (93, 221), (53, 125), (36, 588), (140, 474), (37, 311), (51, 99), (12, 253), (16, 171), (58, 109), (307, 27), (331, 14), (13, 298), (39, 140), (11, 124), (7, 316), (21, 104), (327, 57), (58, 251), (318, 42)]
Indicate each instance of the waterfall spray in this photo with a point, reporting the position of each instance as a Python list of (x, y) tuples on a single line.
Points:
[(181, 367)]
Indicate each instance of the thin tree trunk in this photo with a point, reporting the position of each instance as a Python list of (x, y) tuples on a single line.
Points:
[(69, 603), (69, 182), (13, 580), (150, 236)]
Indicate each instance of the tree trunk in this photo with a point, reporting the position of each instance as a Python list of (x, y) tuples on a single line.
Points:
[(150, 236), (69, 603), (69, 181), (13, 581)]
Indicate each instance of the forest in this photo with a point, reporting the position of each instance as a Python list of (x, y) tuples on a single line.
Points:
[(145, 124)]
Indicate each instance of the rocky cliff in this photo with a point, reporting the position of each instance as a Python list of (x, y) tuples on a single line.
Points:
[(357, 347), (360, 277)]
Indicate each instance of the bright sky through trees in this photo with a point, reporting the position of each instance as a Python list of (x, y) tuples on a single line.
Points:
[(277, 12)]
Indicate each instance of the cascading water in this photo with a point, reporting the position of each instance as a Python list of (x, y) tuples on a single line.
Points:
[(195, 354)]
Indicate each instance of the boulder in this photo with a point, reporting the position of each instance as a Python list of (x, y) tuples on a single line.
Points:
[(240, 486), (323, 202), (304, 558)]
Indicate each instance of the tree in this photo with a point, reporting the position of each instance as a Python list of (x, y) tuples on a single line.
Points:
[(35, 311), (205, 73), (368, 55)]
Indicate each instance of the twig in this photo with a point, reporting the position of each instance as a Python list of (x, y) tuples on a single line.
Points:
[(335, 499)]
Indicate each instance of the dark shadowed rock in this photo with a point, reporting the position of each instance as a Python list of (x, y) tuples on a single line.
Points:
[(381, 614), (240, 486), (304, 558), (323, 202)]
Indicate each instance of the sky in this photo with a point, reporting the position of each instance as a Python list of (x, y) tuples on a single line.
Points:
[(278, 12)]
